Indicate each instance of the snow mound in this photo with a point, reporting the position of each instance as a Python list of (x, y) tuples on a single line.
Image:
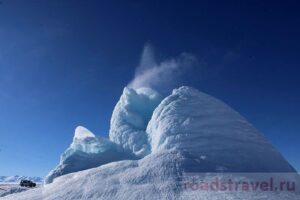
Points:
[(85, 152), (130, 118), (213, 136), (156, 176)]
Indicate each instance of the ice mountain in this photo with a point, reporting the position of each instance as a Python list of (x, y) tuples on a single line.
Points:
[(87, 151), (188, 132), (212, 135), (130, 119)]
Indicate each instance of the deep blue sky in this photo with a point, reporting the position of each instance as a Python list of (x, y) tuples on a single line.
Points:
[(65, 63)]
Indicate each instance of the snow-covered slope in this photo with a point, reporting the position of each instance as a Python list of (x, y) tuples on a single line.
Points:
[(156, 176), (130, 118), (189, 132), (11, 189), (214, 136), (87, 151)]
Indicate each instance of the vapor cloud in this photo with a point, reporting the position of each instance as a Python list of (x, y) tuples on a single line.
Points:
[(160, 75)]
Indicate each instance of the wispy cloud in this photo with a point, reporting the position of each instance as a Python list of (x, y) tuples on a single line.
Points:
[(160, 75)]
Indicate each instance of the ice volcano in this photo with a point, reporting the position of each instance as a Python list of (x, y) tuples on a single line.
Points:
[(213, 136), (153, 143)]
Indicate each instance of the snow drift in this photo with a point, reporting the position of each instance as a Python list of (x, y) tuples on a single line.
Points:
[(186, 132), (11, 189), (156, 176)]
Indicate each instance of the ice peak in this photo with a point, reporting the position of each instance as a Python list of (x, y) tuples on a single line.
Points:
[(144, 91), (127, 91), (185, 90), (191, 121), (130, 118), (189, 130), (149, 92), (82, 133)]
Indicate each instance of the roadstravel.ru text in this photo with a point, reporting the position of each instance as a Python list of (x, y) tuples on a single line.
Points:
[(230, 185)]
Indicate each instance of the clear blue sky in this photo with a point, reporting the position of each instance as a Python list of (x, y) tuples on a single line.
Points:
[(65, 63)]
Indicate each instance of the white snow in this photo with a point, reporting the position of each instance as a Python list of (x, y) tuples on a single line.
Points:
[(85, 152), (156, 176), (188, 132), (85, 141), (130, 118), (201, 125), (11, 184), (82, 133), (10, 189)]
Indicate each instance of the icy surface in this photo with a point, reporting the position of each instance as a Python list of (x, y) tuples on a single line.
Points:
[(82, 133), (87, 151), (130, 118), (213, 136), (85, 141), (10, 189), (188, 132), (156, 176)]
